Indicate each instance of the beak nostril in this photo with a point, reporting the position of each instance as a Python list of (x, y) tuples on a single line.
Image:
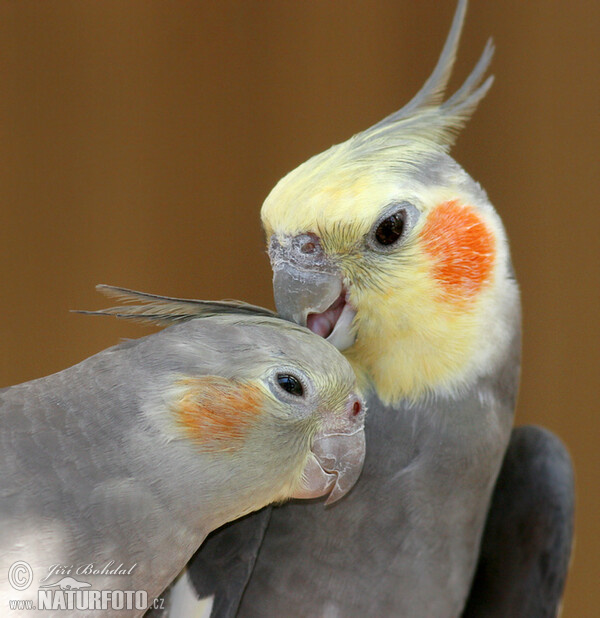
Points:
[(308, 244)]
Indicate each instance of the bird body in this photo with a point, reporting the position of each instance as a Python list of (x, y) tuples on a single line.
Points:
[(436, 338), (405, 541), (386, 247), (134, 455)]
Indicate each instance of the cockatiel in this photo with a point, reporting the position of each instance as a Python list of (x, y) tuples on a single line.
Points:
[(135, 454), (385, 246)]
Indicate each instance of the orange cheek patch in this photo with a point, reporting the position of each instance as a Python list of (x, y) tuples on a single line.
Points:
[(461, 247), (216, 412)]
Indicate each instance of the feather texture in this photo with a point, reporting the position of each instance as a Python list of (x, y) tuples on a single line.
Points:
[(165, 310), (426, 117)]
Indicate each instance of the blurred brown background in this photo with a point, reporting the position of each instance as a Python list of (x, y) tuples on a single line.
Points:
[(138, 140)]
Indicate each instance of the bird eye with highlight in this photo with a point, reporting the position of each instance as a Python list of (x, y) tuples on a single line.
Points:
[(390, 229), (393, 226), (290, 384)]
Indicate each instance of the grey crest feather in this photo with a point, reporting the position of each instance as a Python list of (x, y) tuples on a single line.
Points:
[(165, 310), (426, 118)]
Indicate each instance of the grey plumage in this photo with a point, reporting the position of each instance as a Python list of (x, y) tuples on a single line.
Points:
[(430, 318), (224, 564), (97, 463), (166, 310), (406, 540), (528, 537)]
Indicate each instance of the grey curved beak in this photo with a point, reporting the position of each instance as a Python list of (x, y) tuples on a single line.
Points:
[(341, 456), (304, 279), (337, 457), (300, 292), (333, 467), (308, 289)]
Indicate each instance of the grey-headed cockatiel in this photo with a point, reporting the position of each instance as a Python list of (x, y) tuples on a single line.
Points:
[(135, 454), (385, 246)]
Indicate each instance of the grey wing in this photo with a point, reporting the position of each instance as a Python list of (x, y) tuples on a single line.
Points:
[(528, 536), (222, 566)]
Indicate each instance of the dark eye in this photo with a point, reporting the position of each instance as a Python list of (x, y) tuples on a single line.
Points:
[(290, 384), (390, 229)]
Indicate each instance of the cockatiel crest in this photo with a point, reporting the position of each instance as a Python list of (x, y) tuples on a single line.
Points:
[(413, 256), (386, 247)]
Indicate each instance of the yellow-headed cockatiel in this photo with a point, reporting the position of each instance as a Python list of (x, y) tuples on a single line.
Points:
[(385, 246), (134, 455)]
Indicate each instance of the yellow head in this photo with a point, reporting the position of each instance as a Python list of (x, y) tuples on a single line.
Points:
[(387, 247)]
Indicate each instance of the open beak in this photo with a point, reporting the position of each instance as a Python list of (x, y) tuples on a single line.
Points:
[(309, 290), (336, 458)]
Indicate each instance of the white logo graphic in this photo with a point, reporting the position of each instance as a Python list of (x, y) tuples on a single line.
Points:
[(68, 583), (20, 575)]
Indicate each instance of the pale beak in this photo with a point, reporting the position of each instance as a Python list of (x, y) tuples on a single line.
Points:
[(308, 289), (336, 458)]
